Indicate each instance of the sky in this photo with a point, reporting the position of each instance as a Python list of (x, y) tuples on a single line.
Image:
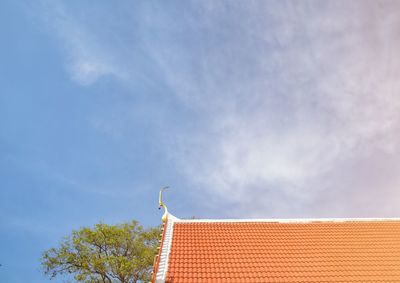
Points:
[(246, 109)]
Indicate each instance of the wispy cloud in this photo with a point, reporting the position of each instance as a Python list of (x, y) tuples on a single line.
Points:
[(294, 105), (87, 59), (296, 102)]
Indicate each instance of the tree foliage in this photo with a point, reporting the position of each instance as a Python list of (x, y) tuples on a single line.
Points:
[(105, 254)]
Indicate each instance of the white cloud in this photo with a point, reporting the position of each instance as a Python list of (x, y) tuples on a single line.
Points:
[(86, 72), (291, 110), (291, 101), (87, 58)]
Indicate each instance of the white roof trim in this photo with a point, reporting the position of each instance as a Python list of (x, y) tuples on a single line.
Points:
[(166, 248), (288, 220)]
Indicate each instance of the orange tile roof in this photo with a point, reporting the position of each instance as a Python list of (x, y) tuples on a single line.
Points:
[(258, 251)]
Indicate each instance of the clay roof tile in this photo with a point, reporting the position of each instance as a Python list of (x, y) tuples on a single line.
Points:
[(357, 250)]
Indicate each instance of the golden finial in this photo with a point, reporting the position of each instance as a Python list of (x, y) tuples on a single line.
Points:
[(161, 204)]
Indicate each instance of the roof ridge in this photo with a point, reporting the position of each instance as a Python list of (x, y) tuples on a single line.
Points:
[(287, 220)]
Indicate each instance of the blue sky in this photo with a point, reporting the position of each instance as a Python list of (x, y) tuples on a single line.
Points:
[(245, 108)]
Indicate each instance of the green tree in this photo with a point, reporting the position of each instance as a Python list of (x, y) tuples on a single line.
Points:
[(105, 254)]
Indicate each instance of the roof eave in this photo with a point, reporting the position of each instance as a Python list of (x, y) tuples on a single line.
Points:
[(161, 263)]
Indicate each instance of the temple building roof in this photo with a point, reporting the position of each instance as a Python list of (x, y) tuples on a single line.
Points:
[(279, 250)]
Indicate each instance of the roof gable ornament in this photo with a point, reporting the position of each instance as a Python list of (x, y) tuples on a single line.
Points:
[(161, 204)]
